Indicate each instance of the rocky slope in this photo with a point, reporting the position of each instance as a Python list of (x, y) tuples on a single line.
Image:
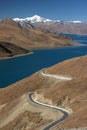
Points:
[(17, 113)]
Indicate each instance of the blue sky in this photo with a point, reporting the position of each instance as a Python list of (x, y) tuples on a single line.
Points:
[(66, 10)]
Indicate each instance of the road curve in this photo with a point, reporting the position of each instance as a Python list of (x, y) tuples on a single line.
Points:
[(61, 77), (54, 123)]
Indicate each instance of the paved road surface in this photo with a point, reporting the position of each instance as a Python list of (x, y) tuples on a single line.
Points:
[(51, 125)]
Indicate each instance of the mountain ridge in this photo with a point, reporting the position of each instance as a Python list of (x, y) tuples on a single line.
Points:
[(56, 26), (53, 26), (37, 19)]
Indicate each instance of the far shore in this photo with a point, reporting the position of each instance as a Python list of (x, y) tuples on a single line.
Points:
[(56, 47)]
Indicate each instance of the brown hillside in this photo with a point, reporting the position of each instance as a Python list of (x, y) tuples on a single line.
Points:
[(73, 93), (27, 38), (10, 50)]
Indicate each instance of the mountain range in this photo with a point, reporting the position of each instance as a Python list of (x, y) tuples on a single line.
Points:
[(57, 26), (54, 26), (38, 19)]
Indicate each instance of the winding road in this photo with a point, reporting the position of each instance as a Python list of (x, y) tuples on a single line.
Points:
[(65, 112), (54, 123)]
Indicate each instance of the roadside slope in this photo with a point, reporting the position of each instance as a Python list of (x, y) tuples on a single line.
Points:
[(71, 94)]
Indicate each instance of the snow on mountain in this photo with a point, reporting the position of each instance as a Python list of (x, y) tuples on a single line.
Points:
[(39, 19), (77, 21), (33, 19)]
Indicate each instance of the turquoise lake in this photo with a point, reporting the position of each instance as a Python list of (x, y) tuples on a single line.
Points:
[(15, 69)]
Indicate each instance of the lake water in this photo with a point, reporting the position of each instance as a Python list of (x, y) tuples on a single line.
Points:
[(78, 38), (15, 69)]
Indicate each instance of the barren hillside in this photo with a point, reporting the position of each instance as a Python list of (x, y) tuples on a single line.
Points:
[(11, 31)]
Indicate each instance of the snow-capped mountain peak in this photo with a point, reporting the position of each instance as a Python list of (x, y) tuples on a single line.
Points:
[(39, 19), (77, 21), (33, 19)]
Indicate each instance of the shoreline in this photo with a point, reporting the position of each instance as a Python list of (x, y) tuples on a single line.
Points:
[(6, 58), (42, 48)]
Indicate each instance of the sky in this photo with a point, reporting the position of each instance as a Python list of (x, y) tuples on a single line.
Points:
[(66, 10)]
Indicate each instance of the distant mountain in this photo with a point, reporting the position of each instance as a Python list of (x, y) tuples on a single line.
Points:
[(44, 24), (33, 19), (77, 21), (57, 26), (39, 19)]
